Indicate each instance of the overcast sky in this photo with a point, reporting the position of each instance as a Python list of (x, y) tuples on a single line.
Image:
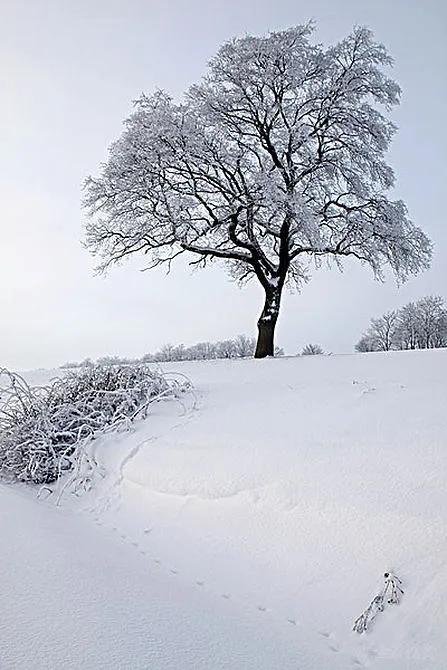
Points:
[(69, 71)]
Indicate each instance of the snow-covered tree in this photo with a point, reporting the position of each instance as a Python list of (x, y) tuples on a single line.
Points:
[(406, 335), (166, 353), (244, 346), (202, 351), (382, 331), (274, 161), (226, 349), (431, 322), (365, 343), (179, 353), (417, 325)]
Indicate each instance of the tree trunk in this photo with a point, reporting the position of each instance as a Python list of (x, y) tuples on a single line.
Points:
[(265, 345)]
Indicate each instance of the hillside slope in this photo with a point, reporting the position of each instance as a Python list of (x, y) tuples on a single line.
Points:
[(263, 511)]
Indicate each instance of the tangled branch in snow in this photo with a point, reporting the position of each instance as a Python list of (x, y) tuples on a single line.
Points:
[(44, 431), (390, 594)]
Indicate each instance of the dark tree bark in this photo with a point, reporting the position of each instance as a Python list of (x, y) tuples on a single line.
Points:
[(265, 345)]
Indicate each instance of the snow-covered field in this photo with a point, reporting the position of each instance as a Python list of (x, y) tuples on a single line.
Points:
[(246, 527)]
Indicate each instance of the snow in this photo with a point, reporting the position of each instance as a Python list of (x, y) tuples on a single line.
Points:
[(246, 527)]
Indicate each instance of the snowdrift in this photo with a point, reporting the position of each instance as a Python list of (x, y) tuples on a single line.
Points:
[(275, 498)]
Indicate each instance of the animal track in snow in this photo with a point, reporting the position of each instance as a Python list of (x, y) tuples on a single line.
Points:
[(324, 633), (334, 646), (332, 643)]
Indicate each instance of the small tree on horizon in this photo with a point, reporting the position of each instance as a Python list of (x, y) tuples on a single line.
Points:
[(273, 162)]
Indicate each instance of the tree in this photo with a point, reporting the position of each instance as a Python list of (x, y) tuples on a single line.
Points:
[(440, 333), (179, 353), (365, 344), (226, 349), (382, 334), (407, 328), (166, 353), (419, 325), (203, 351), (275, 160), (312, 350), (431, 322), (382, 331), (244, 346)]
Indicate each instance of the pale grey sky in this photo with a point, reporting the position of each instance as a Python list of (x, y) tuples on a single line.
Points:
[(69, 71)]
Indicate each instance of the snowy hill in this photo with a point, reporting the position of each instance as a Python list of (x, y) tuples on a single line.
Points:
[(246, 527)]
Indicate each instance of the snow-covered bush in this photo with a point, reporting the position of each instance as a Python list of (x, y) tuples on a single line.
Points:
[(312, 350), (44, 429)]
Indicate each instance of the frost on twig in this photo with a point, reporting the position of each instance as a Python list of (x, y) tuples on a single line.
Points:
[(47, 431), (390, 594)]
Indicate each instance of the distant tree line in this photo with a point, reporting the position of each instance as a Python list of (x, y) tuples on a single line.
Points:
[(239, 347), (417, 325)]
